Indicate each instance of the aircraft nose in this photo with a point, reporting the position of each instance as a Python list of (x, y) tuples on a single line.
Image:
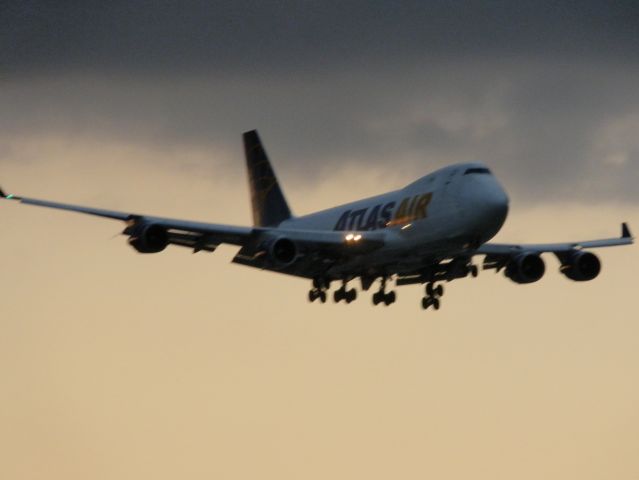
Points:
[(489, 206), (496, 203), (485, 203)]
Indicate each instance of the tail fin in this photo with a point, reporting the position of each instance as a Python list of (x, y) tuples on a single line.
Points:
[(268, 202)]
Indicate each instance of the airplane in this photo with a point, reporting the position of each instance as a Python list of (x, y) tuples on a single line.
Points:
[(427, 232)]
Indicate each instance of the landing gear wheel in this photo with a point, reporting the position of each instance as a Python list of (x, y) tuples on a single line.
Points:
[(429, 289), (338, 295), (426, 301), (350, 295), (322, 296), (311, 296), (435, 303), (474, 271), (377, 298), (439, 290), (390, 298)]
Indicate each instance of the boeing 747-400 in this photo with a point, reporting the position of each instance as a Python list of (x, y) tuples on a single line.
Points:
[(425, 233)]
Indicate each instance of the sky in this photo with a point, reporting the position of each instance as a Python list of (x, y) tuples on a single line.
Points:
[(120, 365)]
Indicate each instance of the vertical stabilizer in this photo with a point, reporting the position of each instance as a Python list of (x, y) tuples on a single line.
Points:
[(268, 202)]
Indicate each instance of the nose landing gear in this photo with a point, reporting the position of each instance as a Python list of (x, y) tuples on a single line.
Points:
[(433, 296)]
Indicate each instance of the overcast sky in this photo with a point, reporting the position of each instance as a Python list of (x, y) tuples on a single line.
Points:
[(544, 92)]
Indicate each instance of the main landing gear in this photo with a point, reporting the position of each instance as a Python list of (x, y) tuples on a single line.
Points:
[(348, 295), (342, 293), (318, 291), (433, 296), (314, 294), (381, 296)]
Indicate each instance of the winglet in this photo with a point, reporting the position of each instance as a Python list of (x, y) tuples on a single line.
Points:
[(625, 231), (8, 196)]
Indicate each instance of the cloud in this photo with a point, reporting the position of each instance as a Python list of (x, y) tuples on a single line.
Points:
[(543, 92), (289, 35)]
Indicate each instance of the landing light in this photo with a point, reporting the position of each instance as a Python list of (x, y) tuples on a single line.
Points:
[(408, 225), (353, 237)]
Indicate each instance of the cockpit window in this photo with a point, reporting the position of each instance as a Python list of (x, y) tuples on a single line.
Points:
[(476, 170)]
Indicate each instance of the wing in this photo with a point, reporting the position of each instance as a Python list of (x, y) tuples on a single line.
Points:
[(197, 235), (511, 248), (500, 255), (151, 234)]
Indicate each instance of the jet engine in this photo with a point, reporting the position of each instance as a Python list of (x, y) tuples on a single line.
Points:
[(282, 251), (525, 268), (580, 266), (148, 237)]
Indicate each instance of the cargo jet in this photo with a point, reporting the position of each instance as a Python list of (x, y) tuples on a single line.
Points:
[(427, 232)]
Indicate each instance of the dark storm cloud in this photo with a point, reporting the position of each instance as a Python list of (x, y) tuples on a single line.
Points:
[(544, 92), (163, 35)]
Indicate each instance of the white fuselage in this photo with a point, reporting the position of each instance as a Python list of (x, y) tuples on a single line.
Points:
[(451, 210)]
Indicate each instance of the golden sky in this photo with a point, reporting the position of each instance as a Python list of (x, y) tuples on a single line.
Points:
[(115, 365)]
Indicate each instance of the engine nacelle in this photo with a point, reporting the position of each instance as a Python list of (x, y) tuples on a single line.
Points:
[(148, 237), (580, 266), (282, 251), (525, 268)]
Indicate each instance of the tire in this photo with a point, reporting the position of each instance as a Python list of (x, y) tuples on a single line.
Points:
[(311, 296), (376, 298), (425, 303), (439, 290), (436, 303), (390, 298), (429, 289), (352, 295), (337, 296), (322, 297)]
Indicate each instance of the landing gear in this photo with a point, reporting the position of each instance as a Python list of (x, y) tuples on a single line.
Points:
[(434, 291), (342, 293), (433, 296), (320, 289), (385, 298), (315, 294), (320, 286), (428, 301), (473, 270), (381, 296)]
